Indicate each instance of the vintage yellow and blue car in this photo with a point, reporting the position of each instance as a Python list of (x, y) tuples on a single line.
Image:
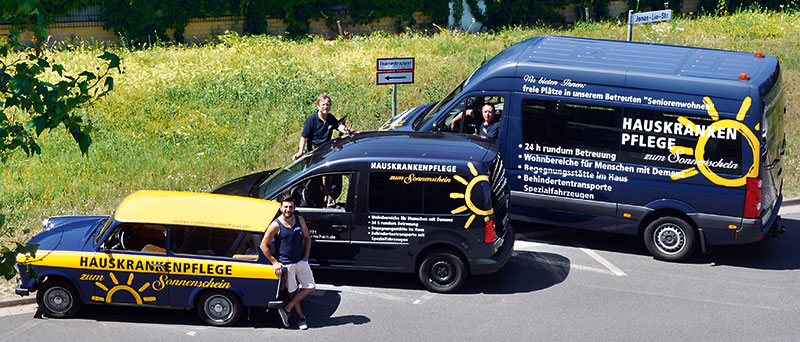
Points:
[(160, 248)]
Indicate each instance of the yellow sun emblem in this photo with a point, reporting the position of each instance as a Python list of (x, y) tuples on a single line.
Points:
[(388, 126), (467, 196), (120, 287), (700, 150)]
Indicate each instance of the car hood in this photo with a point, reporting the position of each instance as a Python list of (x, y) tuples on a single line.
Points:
[(67, 232), (244, 185), (403, 120)]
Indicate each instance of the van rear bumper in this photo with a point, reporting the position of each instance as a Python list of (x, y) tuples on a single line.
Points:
[(755, 229), (499, 259)]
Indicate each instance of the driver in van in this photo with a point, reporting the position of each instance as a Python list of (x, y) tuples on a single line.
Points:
[(490, 126)]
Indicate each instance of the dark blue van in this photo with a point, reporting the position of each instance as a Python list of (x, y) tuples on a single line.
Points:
[(679, 145)]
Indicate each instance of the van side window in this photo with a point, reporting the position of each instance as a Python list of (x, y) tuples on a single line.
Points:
[(466, 117), (570, 129), (324, 191), (416, 193), (647, 136)]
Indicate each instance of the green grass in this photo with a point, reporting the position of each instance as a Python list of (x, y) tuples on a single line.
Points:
[(191, 117)]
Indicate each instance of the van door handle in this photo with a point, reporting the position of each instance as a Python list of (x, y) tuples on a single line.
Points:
[(339, 227)]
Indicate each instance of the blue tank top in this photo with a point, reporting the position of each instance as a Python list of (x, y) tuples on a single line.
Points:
[(290, 242)]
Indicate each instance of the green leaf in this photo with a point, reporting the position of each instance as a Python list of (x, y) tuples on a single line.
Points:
[(59, 69), (88, 74), (84, 142), (113, 60), (109, 83), (42, 63), (40, 122)]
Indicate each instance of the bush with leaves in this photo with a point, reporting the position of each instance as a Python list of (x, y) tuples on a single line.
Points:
[(38, 95)]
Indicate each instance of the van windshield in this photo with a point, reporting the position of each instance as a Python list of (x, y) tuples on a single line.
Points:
[(282, 175), (433, 113)]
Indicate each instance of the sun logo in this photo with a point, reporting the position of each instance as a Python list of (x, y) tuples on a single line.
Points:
[(388, 126), (120, 287), (699, 151), (467, 196)]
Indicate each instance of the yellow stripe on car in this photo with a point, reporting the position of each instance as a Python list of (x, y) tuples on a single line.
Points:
[(150, 264)]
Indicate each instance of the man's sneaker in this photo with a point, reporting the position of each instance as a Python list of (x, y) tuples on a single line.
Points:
[(302, 324), (331, 203), (284, 317)]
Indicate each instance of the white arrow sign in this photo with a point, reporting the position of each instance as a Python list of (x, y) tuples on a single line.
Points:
[(395, 77)]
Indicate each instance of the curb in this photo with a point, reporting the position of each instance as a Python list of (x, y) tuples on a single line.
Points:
[(7, 302), (788, 202)]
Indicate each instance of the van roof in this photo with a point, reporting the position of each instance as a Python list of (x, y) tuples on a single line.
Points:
[(197, 209), (629, 64), (409, 146)]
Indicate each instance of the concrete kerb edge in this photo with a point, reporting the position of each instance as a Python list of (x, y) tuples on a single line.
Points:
[(8, 302), (788, 202)]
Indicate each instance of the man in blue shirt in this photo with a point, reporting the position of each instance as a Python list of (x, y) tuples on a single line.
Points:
[(489, 127), (319, 127), (293, 243)]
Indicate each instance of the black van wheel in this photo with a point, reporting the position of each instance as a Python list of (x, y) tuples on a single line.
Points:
[(442, 272), (58, 299), (670, 238), (219, 308)]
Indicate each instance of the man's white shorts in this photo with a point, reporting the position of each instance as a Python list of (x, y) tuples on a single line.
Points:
[(299, 275)]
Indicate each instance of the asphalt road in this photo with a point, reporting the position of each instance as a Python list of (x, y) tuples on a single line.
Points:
[(560, 285)]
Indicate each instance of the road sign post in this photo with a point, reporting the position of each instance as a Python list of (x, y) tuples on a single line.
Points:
[(395, 71), (646, 17)]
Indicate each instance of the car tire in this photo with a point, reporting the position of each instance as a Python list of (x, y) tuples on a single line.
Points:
[(219, 308), (670, 238), (58, 298), (442, 272)]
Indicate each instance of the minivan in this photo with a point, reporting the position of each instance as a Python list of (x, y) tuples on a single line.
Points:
[(427, 203)]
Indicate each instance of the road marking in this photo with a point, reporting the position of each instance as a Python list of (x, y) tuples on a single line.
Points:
[(529, 246), (426, 297), (565, 264), (614, 269), (191, 333), (357, 290), (9, 335)]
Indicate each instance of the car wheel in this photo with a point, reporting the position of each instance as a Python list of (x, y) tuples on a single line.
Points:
[(442, 272), (670, 238), (219, 308), (58, 298)]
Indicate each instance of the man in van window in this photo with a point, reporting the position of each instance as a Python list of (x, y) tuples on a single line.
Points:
[(319, 127), (293, 244), (490, 126)]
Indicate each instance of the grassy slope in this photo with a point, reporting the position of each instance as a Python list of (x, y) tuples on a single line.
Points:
[(189, 118)]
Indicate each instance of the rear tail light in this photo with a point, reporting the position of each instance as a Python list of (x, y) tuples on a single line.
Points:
[(489, 232), (752, 198)]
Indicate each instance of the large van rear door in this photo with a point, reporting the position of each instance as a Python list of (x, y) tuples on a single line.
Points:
[(773, 142)]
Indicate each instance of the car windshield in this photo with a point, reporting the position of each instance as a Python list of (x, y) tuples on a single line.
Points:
[(433, 113), (104, 228), (282, 175)]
